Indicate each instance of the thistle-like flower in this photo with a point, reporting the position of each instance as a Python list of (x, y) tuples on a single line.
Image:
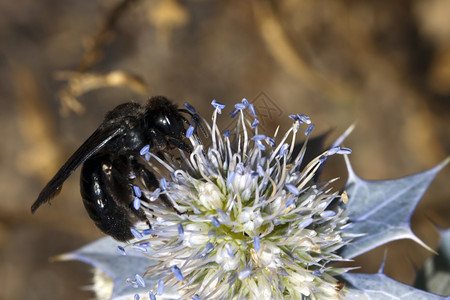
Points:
[(249, 222)]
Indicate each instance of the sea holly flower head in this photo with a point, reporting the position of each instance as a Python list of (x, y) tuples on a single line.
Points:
[(249, 222), (248, 219)]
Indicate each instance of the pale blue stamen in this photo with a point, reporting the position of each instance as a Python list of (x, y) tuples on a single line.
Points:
[(209, 246), (344, 151), (258, 137), (260, 145), (196, 297), (229, 250), (136, 233), (177, 273), (289, 202), (304, 119), (284, 149), (234, 113), (163, 184), (218, 106), (189, 131), (230, 177), (256, 243), (305, 223), (244, 274), (137, 191), (147, 231), (333, 150), (180, 229), (205, 251), (190, 108), (144, 150), (240, 169), (160, 288), (147, 156), (239, 106), (251, 107), (317, 272), (140, 280), (215, 222), (271, 142), (121, 250), (226, 133), (136, 203), (293, 117), (151, 296), (327, 213), (232, 279), (293, 189), (155, 194), (244, 102), (136, 297), (309, 129), (260, 170), (255, 123)]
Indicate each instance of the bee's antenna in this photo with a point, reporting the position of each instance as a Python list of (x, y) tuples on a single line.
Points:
[(190, 110)]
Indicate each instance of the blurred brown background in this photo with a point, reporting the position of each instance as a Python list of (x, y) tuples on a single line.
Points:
[(63, 64)]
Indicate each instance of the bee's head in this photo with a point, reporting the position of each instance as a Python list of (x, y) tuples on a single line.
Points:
[(165, 118)]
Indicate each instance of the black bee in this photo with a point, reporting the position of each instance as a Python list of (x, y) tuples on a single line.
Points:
[(112, 164)]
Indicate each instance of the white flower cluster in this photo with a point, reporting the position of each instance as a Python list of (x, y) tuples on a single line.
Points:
[(250, 223)]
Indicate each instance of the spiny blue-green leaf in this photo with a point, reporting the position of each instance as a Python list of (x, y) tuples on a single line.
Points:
[(102, 254), (380, 211), (435, 275), (380, 287)]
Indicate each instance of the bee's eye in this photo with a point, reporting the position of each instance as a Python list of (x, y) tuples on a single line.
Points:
[(163, 123), (168, 124)]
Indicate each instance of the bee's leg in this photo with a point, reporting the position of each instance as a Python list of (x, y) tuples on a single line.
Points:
[(180, 144), (195, 117)]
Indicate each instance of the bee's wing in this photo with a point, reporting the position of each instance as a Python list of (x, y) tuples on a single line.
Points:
[(93, 144)]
